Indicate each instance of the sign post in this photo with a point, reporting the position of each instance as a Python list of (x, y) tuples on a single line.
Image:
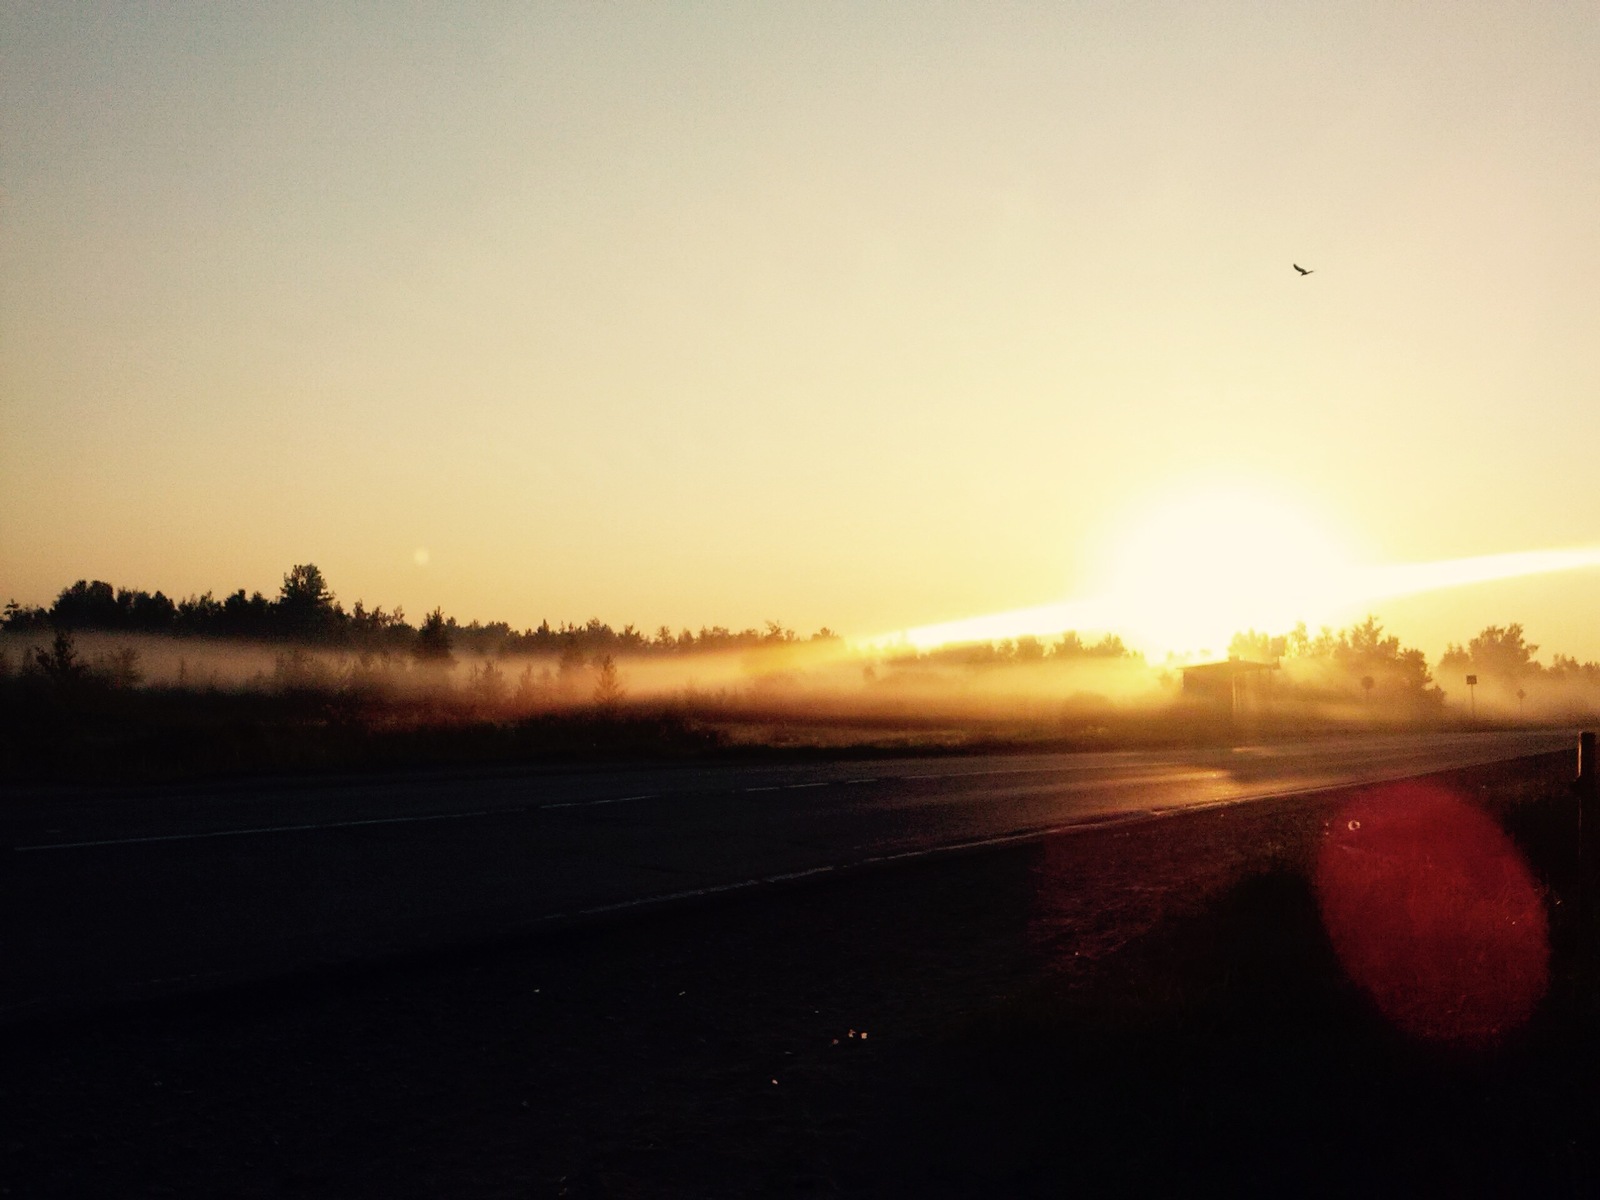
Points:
[(1588, 789)]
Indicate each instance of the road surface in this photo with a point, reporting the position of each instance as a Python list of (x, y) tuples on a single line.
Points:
[(149, 891)]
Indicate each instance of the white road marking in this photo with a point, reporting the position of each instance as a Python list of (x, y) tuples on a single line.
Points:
[(596, 803), (1001, 839), (1154, 773), (691, 893), (1057, 769), (313, 827), (223, 833)]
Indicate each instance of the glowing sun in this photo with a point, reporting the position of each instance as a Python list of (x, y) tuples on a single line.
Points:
[(1184, 574), (1190, 571)]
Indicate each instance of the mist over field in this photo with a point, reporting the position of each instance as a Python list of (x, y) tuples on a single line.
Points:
[(111, 680), (797, 689)]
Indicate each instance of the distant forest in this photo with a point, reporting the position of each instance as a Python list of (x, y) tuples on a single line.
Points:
[(307, 684), (305, 610), (1499, 654)]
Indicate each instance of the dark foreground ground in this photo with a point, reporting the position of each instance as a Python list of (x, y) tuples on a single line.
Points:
[(1149, 1010)]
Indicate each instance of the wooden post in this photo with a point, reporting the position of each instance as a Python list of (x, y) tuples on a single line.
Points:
[(1588, 788)]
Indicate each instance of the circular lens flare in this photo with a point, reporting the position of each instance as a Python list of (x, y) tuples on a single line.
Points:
[(1433, 912)]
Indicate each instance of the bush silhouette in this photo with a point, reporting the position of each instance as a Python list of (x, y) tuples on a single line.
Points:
[(433, 640)]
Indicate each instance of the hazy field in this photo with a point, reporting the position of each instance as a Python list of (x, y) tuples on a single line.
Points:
[(121, 706)]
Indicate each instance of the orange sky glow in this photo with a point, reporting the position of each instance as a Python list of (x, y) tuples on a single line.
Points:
[(946, 321)]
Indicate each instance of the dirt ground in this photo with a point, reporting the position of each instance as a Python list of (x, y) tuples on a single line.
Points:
[(1151, 1009)]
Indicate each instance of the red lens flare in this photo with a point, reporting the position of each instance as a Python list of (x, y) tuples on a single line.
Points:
[(1435, 914)]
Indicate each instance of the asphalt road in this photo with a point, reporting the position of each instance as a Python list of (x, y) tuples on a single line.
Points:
[(149, 891)]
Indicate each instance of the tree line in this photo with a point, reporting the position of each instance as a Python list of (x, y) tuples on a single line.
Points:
[(1502, 654), (1068, 647), (305, 610), (1499, 654)]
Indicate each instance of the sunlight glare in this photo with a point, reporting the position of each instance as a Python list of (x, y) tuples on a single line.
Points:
[(1187, 572), (1411, 578), (1192, 570)]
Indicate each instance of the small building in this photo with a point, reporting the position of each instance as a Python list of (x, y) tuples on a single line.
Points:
[(1235, 687)]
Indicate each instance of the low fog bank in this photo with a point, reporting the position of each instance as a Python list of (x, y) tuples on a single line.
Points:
[(119, 684), (817, 679), (303, 646), (1063, 689)]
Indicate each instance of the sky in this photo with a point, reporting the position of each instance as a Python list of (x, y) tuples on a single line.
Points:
[(871, 316)]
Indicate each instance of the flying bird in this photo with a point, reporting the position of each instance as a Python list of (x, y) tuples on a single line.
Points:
[(1301, 269)]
